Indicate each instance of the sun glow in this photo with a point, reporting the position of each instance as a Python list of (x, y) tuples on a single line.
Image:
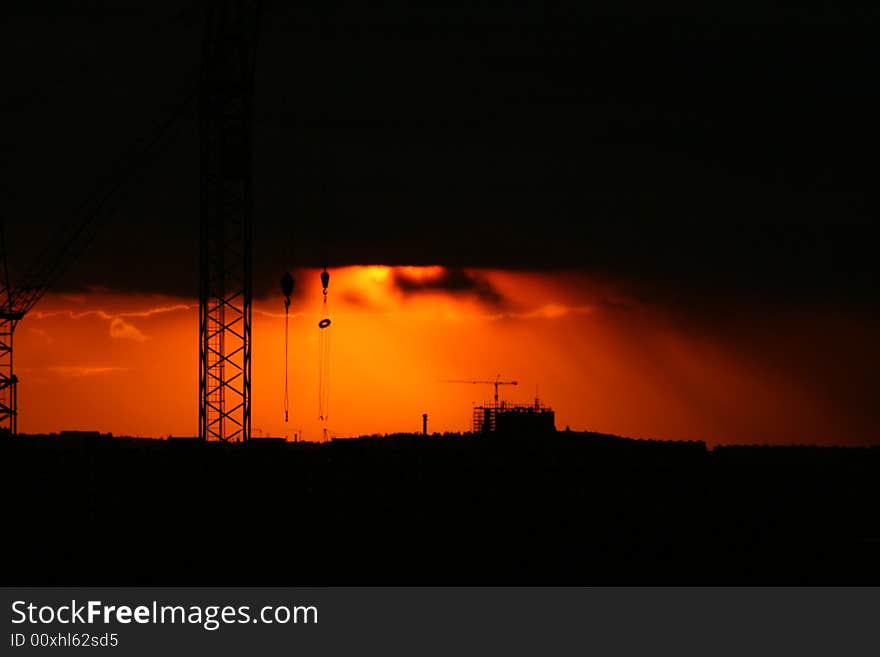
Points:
[(128, 364)]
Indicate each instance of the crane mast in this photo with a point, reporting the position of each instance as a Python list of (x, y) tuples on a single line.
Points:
[(225, 288), (9, 317)]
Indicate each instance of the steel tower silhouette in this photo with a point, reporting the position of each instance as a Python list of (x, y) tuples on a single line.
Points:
[(225, 294)]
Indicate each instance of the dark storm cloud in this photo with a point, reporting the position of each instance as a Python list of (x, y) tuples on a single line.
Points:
[(452, 281), (724, 151)]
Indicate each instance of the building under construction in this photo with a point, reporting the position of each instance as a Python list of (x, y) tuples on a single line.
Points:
[(511, 419)]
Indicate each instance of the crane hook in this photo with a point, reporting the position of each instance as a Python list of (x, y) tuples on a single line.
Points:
[(287, 288), (287, 291)]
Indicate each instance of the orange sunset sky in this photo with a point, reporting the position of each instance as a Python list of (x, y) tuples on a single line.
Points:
[(606, 362)]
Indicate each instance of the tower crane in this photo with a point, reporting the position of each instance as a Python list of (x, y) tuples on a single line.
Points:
[(16, 300), (496, 382), (19, 299), (225, 108)]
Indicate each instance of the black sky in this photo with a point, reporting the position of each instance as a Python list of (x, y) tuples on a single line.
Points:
[(721, 149)]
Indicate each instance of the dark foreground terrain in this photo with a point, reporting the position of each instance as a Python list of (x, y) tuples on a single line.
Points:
[(566, 508)]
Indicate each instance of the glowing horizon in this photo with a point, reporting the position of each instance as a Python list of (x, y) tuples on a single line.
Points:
[(127, 364)]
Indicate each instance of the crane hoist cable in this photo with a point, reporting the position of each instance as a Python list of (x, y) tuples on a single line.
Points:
[(324, 354), (287, 291)]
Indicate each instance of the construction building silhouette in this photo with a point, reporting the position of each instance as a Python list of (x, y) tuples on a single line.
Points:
[(509, 419)]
